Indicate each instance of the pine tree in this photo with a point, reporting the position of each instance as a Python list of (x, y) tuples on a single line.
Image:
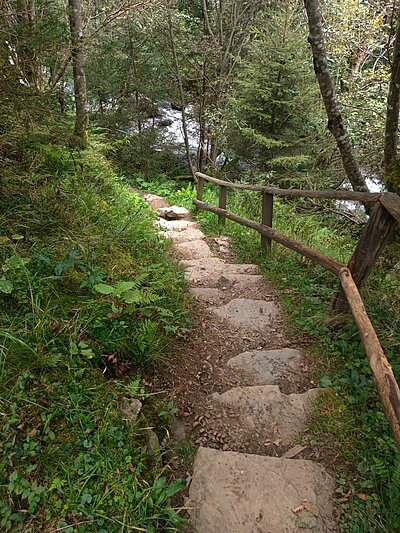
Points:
[(273, 97)]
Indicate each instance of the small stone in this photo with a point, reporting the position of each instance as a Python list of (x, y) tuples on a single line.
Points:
[(131, 409), (153, 444), (174, 212), (178, 429), (306, 520)]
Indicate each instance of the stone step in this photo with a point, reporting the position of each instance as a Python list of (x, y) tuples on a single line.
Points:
[(156, 202), (248, 313), (266, 366), (277, 417), (174, 225), (211, 270), (239, 281), (198, 249), (186, 235), (174, 212), (241, 493), (206, 294)]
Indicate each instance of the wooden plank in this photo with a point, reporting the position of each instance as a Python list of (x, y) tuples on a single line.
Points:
[(372, 241), (298, 193), (391, 202), (321, 259), (385, 381), (266, 220), (222, 201)]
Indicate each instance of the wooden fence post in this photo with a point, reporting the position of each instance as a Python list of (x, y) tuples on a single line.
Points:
[(266, 218), (200, 183), (222, 201), (372, 241)]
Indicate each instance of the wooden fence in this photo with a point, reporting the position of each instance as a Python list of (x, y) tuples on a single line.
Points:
[(384, 218)]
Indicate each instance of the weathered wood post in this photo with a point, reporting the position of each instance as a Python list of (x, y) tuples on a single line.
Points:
[(384, 218), (381, 370), (200, 183), (266, 218), (223, 195)]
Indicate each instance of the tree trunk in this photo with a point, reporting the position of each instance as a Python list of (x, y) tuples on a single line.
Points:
[(78, 61), (26, 44), (391, 163), (335, 120)]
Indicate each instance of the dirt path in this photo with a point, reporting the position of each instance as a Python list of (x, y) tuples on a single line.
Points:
[(243, 394)]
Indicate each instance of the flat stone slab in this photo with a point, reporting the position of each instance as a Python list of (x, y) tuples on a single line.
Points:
[(240, 281), (264, 408), (243, 312), (205, 294), (198, 249), (210, 271), (156, 202), (186, 235), (174, 212), (222, 266), (174, 225), (242, 493), (265, 367)]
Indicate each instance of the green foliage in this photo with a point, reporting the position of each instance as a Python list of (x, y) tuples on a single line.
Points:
[(139, 153), (86, 292), (274, 94)]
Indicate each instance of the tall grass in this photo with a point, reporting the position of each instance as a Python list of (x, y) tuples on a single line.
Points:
[(70, 459)]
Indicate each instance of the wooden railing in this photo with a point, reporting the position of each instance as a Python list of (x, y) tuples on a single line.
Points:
[(384, 218)]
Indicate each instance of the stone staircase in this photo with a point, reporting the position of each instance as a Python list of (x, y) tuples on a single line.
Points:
[(238, 492)]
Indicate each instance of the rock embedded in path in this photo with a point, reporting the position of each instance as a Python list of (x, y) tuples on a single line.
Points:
[(265, 409), (174, 225), (156, 202), (265, 367), (243, 493), (244, 312), (174, 212), (206, 294)]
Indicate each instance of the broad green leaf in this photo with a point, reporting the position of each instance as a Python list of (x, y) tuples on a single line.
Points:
[(17, 237), (124, 286), (132, 297), (102, 288)]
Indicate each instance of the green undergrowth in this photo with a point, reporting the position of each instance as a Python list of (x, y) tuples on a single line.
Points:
[(88, 299), (348, 425)]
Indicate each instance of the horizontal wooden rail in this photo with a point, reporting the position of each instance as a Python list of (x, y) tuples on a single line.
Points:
[(381, 370), (321, 259), (297, 193)]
